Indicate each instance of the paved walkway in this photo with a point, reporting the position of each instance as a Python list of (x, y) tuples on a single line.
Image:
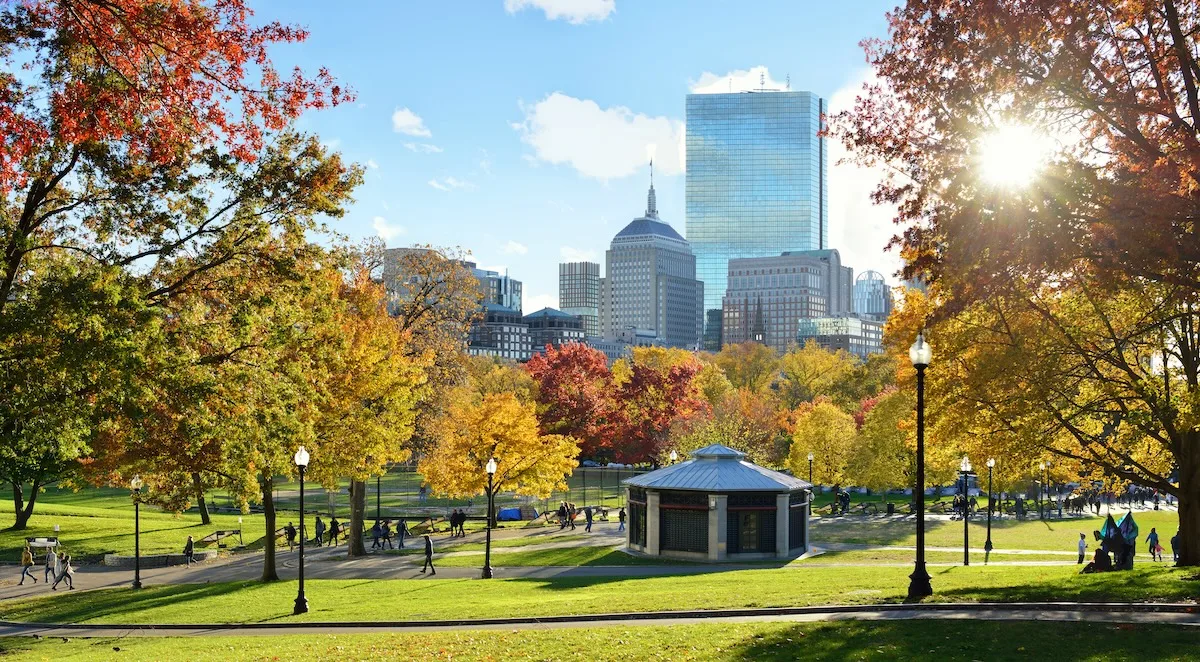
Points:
[(1117, 614)]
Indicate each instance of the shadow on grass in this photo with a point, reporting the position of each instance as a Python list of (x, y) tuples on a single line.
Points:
[(967, 640), (92, 605)]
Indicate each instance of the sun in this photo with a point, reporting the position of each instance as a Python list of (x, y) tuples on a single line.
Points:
[(1011, 156)]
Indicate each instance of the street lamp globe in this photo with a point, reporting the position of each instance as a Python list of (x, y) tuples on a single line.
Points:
[(1042, 466), (965, 465), (810, 457), (674, 456), (301, 457), (920, 353), (491, 467), (991, 463), (136, 483)]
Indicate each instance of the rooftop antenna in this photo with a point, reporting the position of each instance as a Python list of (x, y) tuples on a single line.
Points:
[(762, 81), (789, 82)]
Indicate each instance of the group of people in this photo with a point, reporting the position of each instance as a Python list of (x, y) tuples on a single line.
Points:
[(1114, 553), (334, 529), (381, 534), (566, 515), (457, 519), (57, 566)]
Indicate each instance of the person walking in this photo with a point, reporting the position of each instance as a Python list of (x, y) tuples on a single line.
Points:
[(376, 534), (289, 532), (428, 556), (401, 531), (26, 564), (621, 519), (1175, 547), (51, 565), (562, 515), (462, 520), (571, 512), (189, 551), (385, 534), (67, 573), (1082, 548), (319, 528), (587, 515), (1155, 548)]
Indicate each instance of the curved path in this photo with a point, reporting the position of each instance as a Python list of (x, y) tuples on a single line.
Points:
[(1140, 613)]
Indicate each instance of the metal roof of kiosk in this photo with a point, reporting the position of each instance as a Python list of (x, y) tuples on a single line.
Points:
[(718, 468)]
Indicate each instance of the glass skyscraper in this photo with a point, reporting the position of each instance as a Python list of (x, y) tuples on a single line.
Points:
[(757, 183)]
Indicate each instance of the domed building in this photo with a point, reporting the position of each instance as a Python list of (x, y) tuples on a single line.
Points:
[(718, 506)]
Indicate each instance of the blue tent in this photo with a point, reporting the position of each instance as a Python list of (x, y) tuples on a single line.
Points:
[(508, 514)]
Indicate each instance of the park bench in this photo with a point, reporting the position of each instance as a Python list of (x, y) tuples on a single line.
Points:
[(217, 536), (42, 543)]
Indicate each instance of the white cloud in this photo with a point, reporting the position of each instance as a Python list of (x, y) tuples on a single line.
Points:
[(450, 184), (409, 123), (386, 230), (331, 144), (485, 162), (570, 254), (574, 12), (535, 302), (515, 248), (372, 164), (859, 228), (741, 80), (424, 148), (601, 143)]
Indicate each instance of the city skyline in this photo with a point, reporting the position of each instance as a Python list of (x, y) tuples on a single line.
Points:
[(528, 160)]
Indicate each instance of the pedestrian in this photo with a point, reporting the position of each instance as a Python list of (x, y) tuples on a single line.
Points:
[(587, 515), (1175, 546), (67, 573), (51, 565), (562, 515), (621, 519), (334, 530), (571, 512), (376, 534), (385, 533), (462, 520), (1155, 548), (1082, 547), (401, 531), (455, 520), (26, 564), (422, 494), (428, 556), (319, 528), (189, 551), (289, 532)]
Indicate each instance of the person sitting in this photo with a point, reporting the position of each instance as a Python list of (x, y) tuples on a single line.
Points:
[(1101, 562)]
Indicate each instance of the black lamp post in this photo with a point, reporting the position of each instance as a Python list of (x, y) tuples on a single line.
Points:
[(136, 486), (487, 550), (377, 498), (301, 601), (810, 459), (920, 354), (964, 470), (987, 546), (1044, 492)]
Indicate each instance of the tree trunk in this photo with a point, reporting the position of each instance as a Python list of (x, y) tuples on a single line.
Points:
[(268, 486), (1189, 501), (358, 504), (22, 510), (198, 486)]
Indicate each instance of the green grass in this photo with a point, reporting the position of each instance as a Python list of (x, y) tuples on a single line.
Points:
[(903, 556), (341, 600), (766, 642), (569, 556)]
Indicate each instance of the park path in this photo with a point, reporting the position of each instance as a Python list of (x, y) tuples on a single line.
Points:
[(1181, 615)]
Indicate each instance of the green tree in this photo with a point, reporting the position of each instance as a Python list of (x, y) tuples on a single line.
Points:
[(813, 371), (824, 430), (748, 365)]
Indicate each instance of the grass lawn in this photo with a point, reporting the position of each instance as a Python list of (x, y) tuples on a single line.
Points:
[(341, 600), (758, 642), (1007, 533)]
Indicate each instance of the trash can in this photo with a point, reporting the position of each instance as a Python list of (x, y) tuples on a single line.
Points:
[(891, 509)]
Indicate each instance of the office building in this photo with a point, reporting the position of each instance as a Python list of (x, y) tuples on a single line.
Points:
[(858, 336), (579, 293), (499, 289), (554, 328), (767, 297), (756, 184), (872, 296), (500, 332), (650, 282)]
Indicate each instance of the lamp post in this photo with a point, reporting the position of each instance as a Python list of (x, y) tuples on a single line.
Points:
[(301, 601), (487, 550), (964, 470), (920, 354), (377, 498), (810, 459), (136, 486), (987, 546), (1044, 493)]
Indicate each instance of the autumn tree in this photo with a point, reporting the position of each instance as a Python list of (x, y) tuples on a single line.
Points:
[(824, 430), (660, 388), (749, 422), (812, 371), (479, 427), (574, 394), (884, 452), (748, 365)]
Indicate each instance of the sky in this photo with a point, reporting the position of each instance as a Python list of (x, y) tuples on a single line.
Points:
[(520, 130)]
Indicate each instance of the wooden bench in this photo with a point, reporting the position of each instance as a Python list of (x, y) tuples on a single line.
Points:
[(217, 536)]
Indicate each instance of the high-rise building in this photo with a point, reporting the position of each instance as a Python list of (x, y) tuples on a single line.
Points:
[(756, 183), (872, 296), (579, 293), (858, 336), (766, 297), (650, 283), (497, 288), (554, 328), (501, 332)]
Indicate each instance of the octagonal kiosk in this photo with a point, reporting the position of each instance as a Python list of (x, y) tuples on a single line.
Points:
[(717, 506)]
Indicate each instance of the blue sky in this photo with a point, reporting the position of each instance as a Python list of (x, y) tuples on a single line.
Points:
[(520, 129)]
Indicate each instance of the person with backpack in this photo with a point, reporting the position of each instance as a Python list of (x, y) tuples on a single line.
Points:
[(621, 519), (289, 533), (334, 530), (189, 551), (376, 534)]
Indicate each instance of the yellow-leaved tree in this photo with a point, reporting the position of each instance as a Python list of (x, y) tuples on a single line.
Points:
[(496, 425), (828, 433)]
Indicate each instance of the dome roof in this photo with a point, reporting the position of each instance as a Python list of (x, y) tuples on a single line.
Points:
[(718, 468), (649, 226)]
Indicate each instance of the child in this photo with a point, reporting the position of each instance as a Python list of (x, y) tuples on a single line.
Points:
[(1082, 548)]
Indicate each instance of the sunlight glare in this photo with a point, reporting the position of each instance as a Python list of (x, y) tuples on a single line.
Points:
[(1011, 156)]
